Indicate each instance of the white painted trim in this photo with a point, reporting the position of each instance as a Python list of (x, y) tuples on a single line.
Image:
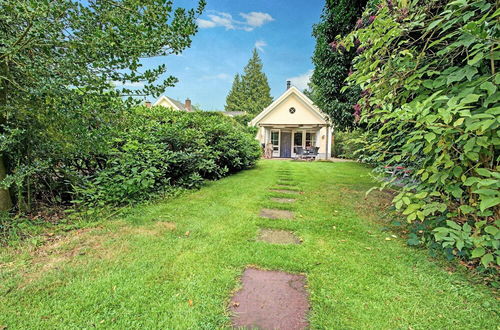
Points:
[(163, 97), (302, 97)]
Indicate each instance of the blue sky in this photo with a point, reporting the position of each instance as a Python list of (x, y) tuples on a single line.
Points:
[(228, 32)]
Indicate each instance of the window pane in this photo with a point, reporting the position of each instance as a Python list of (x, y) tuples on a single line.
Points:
[(310, 139), (275, 138), (297, 139)]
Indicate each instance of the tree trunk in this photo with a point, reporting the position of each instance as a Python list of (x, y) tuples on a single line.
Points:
[(5, 198)]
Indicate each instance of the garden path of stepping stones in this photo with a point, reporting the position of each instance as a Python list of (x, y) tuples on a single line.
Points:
[(273, 299)]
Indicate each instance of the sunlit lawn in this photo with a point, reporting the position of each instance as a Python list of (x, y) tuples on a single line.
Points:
[(175, 264)]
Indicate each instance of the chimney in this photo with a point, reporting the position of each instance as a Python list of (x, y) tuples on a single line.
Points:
[(187, 105), (147, 104), (288, 84)]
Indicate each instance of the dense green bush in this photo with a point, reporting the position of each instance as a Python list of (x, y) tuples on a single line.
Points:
[(349, 144), (162, 149), (428, 74)]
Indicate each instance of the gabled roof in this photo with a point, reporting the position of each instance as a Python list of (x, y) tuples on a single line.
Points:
[(301, 96), (173, 102)]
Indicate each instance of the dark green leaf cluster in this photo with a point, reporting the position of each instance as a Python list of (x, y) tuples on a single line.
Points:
[(161, 149), (331, 66), (63, 67), (430, 97)]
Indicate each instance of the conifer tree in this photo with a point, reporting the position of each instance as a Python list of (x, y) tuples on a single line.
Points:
[(235, 96), (250, 92)]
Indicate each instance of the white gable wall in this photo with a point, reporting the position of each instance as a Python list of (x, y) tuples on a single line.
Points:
[(307, 118), (165, 102), (281, 115)]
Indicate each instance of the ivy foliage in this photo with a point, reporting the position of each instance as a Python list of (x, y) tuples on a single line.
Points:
[(428, 70), (332, 68), (250, 91)]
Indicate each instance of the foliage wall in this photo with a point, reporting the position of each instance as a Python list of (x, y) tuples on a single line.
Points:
[(161, 149), (63, 67), (332, 68), (428, 75)]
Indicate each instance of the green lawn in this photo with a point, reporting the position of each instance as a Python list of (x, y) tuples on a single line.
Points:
[(175, 264)]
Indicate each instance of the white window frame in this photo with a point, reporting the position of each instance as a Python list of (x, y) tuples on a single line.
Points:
[(276, 153)]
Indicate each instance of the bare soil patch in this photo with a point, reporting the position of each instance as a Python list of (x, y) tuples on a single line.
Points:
[(277, 236), (270, 300), (276, 214)]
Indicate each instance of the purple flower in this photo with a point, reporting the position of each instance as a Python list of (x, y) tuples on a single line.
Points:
[(359, 23), (357, 111), (366, 92), (390, 5), (357, 42), (371, 19), (360, 50), (334, 45)]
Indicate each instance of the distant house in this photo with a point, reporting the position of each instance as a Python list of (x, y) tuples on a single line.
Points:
[(169, 102), (293, 121)]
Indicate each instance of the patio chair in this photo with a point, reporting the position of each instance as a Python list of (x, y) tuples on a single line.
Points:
[(299, 152), (312, 154)]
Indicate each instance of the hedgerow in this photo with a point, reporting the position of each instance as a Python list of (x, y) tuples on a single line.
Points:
[(427, 70)]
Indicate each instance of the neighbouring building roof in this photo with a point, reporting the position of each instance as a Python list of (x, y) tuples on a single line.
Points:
[(168, 101)]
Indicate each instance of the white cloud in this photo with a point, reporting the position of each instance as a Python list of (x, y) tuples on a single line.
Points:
[(250, 22), (205, 24), (260, 44), (256, 19), (302, 80), (220, 76)]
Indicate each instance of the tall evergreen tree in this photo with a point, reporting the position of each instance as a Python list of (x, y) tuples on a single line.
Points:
[(251, 93), (332, 63), (235, 96)]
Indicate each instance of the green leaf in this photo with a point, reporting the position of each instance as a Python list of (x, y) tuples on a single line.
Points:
[(430, 137), (471, 98), (488, 202), (486, 259), (458, 122), (489, 87), (478, 252), (483, 172), (479, 56), (491, 230)]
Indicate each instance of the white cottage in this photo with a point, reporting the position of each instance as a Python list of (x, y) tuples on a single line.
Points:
[(294, 121)]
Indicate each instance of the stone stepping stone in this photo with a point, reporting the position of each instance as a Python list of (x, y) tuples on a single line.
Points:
[(277, 236), (283, 200), (270, 300), (276, 214), (285, 191), (286, 184)]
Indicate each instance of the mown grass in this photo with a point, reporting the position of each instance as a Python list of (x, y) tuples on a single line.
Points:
[(175, 264)]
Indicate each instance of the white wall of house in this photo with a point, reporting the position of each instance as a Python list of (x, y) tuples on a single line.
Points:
[(307, 125)]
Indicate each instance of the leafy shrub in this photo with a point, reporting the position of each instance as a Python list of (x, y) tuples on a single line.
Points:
[(428, 74), (352, 145), (162, 149)]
